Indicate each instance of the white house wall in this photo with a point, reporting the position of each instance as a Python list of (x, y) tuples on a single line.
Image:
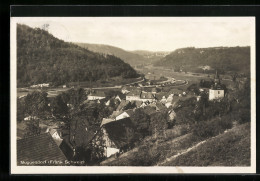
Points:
[(95, 98), (122, 116), (111, 151), (215, 94)]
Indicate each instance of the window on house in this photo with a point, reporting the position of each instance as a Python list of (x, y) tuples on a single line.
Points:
[(218, 92)]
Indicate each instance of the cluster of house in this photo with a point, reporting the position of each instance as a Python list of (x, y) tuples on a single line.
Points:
[(131, 99), (40, 85)]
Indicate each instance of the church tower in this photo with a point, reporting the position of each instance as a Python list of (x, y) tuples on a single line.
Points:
[(216, 78), (216, 91)]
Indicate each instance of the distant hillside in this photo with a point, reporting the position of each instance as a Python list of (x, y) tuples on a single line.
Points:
[(152, 56), (129, 57), (222, 58), (43, 58)]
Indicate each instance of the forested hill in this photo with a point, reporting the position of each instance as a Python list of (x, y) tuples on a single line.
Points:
[(42, 58), (222, 58), (129, 57)]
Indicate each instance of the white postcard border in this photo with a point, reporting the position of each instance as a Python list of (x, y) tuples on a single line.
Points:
[(126, 169)]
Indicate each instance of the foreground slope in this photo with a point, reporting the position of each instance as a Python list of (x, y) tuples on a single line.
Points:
[(43, 58), (231, 148), (228, 149)]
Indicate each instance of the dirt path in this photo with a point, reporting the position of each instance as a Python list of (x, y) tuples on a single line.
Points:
[(181, 153)]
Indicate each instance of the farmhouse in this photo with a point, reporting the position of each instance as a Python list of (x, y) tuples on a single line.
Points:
[(117, 131)]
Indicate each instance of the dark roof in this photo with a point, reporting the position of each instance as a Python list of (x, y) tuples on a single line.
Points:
[(217, 87), (66, 148), (130, 112), (122, 104), (97, 93), (121, 96), (115, 114), (38, 148), (134, 93), (120, 132)]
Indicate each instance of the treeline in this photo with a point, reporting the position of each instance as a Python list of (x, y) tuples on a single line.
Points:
[(43, 58), (221, 58)]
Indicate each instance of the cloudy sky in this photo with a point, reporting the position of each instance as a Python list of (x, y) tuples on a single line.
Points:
[(155, 34)]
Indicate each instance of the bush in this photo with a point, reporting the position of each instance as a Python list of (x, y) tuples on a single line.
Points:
[(207, 129), (244, 115)]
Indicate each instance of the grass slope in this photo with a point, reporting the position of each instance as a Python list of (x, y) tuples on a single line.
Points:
[(228, 149)]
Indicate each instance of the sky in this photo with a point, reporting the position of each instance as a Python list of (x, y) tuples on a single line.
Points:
[(149, 33)]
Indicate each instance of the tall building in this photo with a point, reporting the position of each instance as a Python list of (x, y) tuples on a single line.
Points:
[(217, 90)]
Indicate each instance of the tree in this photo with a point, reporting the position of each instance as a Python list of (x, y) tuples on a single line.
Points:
[(141, 122), (158, 124), (36, 104), (32, 127), (20, 109), (59, 107), (76, 97)]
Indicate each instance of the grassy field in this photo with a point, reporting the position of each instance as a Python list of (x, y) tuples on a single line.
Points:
[(228, 149), (160, 71)]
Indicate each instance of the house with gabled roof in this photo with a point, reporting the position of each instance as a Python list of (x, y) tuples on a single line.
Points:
[(115, 131), (147, 96), (38, 150), (120, 97), (133, 95), (123, 104), (158, 106), (96, 95)]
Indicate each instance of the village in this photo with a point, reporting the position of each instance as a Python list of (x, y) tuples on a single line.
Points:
[(116, 132)]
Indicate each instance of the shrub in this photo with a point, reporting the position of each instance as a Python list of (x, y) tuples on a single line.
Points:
[(207, 129), (244, 115)]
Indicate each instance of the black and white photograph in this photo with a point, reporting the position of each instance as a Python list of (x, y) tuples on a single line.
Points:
[(133, 95)]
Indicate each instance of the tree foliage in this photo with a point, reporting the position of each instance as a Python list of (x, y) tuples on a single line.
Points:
[(42, 58), (36, 104)]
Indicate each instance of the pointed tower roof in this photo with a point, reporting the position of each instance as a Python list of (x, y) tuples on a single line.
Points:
[(216, 78)]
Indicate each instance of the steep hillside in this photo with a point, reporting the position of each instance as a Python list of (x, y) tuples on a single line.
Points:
[(222, 58), (43, 58), (129, 57)]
